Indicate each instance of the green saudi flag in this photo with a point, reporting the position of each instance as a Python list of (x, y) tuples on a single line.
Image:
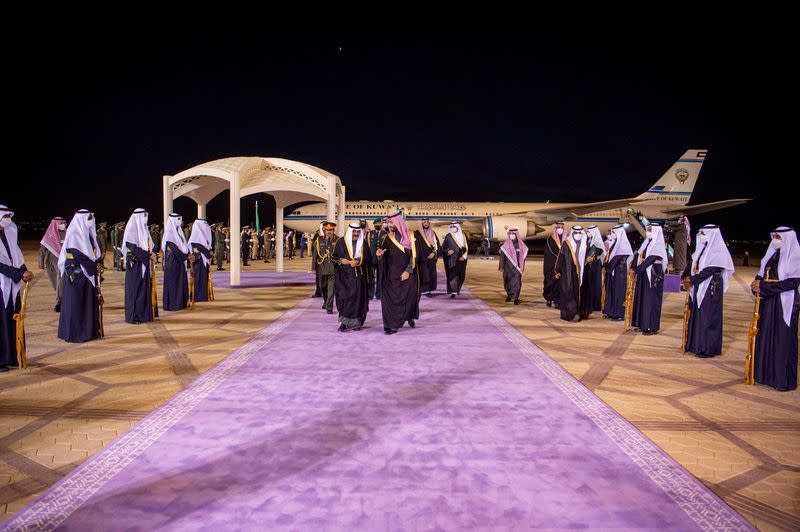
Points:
[(258, 223)]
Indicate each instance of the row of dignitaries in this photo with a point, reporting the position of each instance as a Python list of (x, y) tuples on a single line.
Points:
[(404, 269), (578, 272), (399, 254), (180, 289), (13, 273)]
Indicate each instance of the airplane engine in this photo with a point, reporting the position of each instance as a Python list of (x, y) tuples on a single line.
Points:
[(496, 227)]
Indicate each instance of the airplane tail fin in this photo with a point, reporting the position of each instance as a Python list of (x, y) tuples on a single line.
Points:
[(677, 184)]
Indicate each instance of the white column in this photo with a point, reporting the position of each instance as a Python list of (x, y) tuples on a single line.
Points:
[(201, 210), (236, 238), (341, 223), (167, 195), (279, 237), (331, 199)]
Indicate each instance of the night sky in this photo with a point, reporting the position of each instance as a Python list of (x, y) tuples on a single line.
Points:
[(465, 104)]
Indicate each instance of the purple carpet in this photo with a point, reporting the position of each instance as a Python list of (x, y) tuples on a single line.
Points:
[(459, 424), (264, 279), (672, 283)]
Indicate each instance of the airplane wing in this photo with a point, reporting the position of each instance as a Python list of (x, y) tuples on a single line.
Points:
[(578, 209), (690, 210)]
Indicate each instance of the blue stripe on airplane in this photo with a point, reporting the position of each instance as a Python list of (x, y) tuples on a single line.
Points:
[(691, 160)]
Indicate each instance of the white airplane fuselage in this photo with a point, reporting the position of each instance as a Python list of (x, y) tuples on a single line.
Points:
[(667, 198), (479, 219)]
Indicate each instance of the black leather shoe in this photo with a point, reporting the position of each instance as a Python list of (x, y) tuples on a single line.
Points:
[(324, 306), (3, 369), (549, 303), (452, 296), (356, 328), (57, 308), (517, 301), (411, 323), (386, 330), (649, 333), (508, 299), (330, 312), (342, 327)]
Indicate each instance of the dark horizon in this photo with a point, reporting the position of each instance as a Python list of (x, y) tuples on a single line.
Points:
[(597, 109)]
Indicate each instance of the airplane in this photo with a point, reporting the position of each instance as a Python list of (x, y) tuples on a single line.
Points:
[(666, 199)]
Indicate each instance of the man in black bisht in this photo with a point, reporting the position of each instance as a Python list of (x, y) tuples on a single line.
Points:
[(81, 264), (137, 247), (454, 255), (706, 276), (175, 294), (512, 263), (648, 294), (12, 273), (201, 257), (552, 249), (618, 258), (324, 249), (353, 262), (778, 285), (429, 247), (569, 272), (399, 276)]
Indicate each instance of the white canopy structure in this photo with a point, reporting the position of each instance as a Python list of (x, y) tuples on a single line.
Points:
[(289, 182)]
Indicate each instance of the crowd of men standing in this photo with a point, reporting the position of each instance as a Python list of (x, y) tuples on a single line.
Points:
[(583, 274), (390, 263)]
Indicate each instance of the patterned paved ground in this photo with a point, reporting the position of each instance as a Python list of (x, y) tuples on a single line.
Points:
[(743, 442)]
